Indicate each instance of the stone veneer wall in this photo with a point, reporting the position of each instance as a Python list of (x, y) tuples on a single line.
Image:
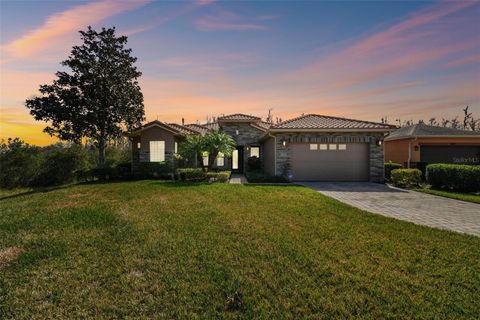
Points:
[(375, 152), (247, 136)]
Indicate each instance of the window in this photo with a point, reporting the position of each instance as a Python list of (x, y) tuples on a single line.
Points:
[(139, 145), (176, 147), (157, 151), (235, 159), (323, 147), (332, 147), (342, 147), (220, 160), (255, 152), (205, 161), (313, 146)]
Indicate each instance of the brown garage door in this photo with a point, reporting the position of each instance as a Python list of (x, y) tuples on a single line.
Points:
[(310, 163)]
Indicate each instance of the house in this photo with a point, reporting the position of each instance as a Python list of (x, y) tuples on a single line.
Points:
[(307, 148), (420, 144)]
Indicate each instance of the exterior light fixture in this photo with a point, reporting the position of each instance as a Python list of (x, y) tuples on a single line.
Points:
[(379, 143), (139, 145), (284, 143), (416, 148)]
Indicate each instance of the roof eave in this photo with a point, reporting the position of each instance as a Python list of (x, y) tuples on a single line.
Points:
[(273, 130), (432, 136)]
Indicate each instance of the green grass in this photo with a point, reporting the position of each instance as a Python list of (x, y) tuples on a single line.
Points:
[(154, 249), (470, 197)]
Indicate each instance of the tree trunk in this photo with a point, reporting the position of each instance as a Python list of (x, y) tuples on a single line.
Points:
[(101, 152), (211, 160)]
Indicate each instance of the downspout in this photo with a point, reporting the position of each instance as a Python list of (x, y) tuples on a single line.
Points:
[(274, 152), (410, 152)]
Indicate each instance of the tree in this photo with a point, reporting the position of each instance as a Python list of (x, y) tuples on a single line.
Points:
[(216, 142), (467, 117), (192, 148), (98, 99)]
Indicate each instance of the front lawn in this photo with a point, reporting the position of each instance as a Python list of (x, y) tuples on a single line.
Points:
[(154, 249), (470, 197)]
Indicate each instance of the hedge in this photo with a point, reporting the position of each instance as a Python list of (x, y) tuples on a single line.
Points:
[(389, 167), (221, 176), (261, 177), (457, 177), (406, 177), (191, 174)]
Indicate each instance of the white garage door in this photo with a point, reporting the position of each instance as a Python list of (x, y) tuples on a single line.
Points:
[(330, 162)]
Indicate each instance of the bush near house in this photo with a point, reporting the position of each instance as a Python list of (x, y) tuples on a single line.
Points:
[(406, 177), (198, 175), (262, 177), (389, 167), (457, 177)]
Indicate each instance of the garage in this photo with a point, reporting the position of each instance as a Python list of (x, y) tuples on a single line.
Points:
[(457, 154), (330, 162)]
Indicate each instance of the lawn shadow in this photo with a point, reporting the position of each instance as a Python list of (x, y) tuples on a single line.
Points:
[(37, 190)]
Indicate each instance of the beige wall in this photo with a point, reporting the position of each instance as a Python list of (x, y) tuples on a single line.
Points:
[(397, 150), (269, 156), (153, 134)]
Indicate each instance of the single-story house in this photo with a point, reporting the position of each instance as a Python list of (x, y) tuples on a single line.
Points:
[(307, 148), (421, 144)]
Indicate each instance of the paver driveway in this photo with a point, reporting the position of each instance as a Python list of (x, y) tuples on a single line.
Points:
[(416, 207)]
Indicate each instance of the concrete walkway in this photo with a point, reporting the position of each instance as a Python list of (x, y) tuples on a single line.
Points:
[(416, 207), (237, 179)]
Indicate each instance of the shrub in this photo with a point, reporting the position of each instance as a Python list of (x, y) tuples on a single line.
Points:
[(220, 176), (406, 177), (156, 170), (261, 177), (458, 177), (19, 163), (191, 174), (254, 164), (389, 166), (60, 165)]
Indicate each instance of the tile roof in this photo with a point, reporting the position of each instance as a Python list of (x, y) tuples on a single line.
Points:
[(261, 125), (423, 130), (238, 117), (315, 121), (197, 127), (211, 125), (182, 129)]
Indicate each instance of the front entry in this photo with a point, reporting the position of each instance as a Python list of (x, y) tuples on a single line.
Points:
[(237, 160)]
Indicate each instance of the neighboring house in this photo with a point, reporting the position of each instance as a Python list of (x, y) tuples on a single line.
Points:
[(420, 144), (308, 148)]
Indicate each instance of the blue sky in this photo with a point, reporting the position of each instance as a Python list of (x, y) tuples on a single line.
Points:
[(366, 60)]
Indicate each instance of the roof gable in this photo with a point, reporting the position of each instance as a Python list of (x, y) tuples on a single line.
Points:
[(238, 117), (321, 122)]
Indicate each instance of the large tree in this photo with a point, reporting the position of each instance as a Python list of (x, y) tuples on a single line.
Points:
[(98, 97)]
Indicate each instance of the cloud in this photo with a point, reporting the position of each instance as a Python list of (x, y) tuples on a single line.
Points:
[(422, 39), (228, 21), (472, 59), (63, 24)]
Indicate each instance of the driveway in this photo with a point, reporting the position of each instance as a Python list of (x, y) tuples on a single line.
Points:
[(416, 207)]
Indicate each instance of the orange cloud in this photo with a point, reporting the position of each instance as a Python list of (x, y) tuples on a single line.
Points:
[(62, 24)]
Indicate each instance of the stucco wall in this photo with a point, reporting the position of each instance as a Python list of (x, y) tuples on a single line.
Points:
[(152, 134), (269, 156), (397, 150)]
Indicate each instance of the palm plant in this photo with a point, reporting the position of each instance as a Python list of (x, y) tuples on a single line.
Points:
[(216, 142), (192, 148)]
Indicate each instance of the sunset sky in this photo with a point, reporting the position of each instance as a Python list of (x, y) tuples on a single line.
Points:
[(364, 60)]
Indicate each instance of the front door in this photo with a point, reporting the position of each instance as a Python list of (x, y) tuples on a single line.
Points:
[(237, 160)]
